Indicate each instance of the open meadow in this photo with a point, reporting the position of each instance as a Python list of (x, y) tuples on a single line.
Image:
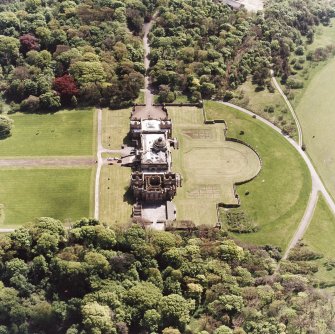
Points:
[(29, 193), (67, 132), (316, 113), (276, 199)]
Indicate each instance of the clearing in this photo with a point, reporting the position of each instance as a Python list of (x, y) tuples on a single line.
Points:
[(59, 193), (277, 198), (68, 132)]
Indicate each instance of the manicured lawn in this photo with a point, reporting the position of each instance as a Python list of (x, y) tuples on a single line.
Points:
[(115, 128), (258, 101), (68, 132), (59, 193), (278, 196), (114, 184), (320, 237), (209, 165)]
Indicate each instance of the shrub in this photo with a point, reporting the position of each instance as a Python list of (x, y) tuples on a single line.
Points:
[(294, 83), (238, 222), (5, 126)]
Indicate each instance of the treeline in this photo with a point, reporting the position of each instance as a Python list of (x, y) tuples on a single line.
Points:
[(61, 53), (91, 279), (205, 49)]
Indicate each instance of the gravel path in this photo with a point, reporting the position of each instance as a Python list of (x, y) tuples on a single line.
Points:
[(148, 96), (46, 162), (317, 184)]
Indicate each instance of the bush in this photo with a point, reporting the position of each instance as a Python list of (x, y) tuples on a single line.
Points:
[(30, 104), (303, 253), (5, 126), (269, 109), (299, 50), (238, 222), (294, 83)]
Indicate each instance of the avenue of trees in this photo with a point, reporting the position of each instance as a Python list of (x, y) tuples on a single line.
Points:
[(91, 279), (61, 53), (205, 49)]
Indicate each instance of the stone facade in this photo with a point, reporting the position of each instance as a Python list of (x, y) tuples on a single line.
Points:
[(153, 183)]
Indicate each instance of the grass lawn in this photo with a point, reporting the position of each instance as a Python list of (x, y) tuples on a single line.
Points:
[(278, 196), (58, 193), (115, 127), (114, 183), (68, 132), (209, 165), (258, 101), (320, 237)]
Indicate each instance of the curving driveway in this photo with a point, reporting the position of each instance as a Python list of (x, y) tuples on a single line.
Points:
[(317, 184)]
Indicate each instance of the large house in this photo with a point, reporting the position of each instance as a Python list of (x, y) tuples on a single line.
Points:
[(153, 183)]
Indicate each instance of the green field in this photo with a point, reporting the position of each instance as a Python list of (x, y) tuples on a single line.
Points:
[(29, 193), (278, 196), (68, 132), (209, 165), (320, 237), (317, 117), (114, 184), (115, 128)]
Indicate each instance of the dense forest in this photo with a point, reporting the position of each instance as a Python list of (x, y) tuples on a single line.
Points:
[(92, 279), (206, 49), (60, 53)]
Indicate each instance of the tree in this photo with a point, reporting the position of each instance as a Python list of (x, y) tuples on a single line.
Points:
[(141, 297), (50, 101), (6, 125), (9, 50), (66, 87), (30, 104), (97, 319), (223, 330), (151, 320), (175, 310), (88, 72), (28, 42)]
